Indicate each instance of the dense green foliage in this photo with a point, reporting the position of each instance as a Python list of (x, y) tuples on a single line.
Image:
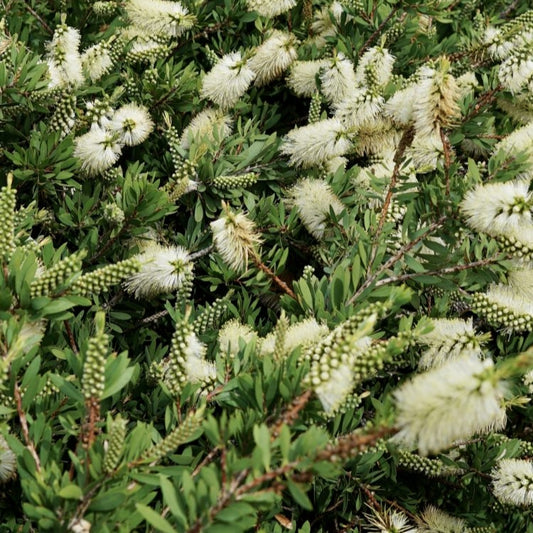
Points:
[(110, 428)]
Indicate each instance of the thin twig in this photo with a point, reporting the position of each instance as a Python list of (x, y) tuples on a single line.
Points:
[(405, 142), (39, 18), (395, 258), (278, 281), (71, 338), (447, 158), (379, 29), (24, 426), (207, 459), (440, 272), (510, 8)]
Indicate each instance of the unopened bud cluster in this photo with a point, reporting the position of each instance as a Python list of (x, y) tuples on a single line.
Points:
[(234, 182), (93, 380), (178, 436), (497, 314), (117, 433), (64, 117), (7, 227), (102, 279), (210, 317), (186, 361), (57, 275)]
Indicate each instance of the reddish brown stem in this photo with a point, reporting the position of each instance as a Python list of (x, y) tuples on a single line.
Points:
[(24, 425)]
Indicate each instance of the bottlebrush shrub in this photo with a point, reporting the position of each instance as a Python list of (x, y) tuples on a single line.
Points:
[(266, 266)]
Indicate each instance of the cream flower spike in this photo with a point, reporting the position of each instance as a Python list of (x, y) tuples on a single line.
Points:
[(160, 17), (98, 150), (315, 143), (235, 239), (132, 123), (164, 270), (512, 482), (270, 8), (313, 200), (273, 57), (498, 208), (227, 81), (449, 403)]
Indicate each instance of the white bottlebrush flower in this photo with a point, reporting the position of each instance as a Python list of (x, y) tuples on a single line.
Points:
[(270, 8), (325, 23), (235, 239), (449, 403), (227, 81), (208, 125), (273, 57), (467, 82), (230, 334), (512, 482), (520, 140), (197, 369), (334, 391), (315, 143), (377, 137), (337, 79), (64, 60), (520, 279), (159, 17), (425, 152), (98, 150), (401, 105), (433, 520), (302, 78), (313, 200), (132, 124), (528, 381), (449, 339), (388, 521), (97, 61), (497, 45), (436, 99), (79, 525), (509, 300), (359, 108), (302, 334), (164, 269), (8, 461), (374, 68), (498, 208), (515, 73)]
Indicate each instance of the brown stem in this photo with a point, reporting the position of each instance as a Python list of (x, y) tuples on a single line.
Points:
[(379, 29), (24, 426), (71, 338), (405, 142), (484, 99), (207, 459), (447, 158), (279, 282), (289, 416), (440, 272), (395, 258), (39, 18)]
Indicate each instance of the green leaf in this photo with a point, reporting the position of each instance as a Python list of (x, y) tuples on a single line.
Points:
[(71, 492), (299, 495), (262, 439), (154, 519)]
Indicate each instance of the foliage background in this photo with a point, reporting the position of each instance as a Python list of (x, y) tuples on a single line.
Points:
[(257, 451)]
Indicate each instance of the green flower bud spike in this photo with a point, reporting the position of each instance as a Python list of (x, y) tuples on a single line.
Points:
[(7, 215)]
